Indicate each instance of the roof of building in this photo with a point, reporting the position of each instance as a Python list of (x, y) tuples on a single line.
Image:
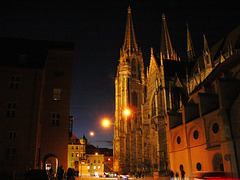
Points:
[(91, 149), (230, 41), (28, 53)]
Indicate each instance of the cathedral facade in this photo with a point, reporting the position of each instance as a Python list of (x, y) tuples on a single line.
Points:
[(159, 99)]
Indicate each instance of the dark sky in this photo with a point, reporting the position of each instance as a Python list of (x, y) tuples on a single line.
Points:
[(97, 28)]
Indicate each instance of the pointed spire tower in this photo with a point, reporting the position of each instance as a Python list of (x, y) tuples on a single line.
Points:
[(207, 57), (130, 44), (129, 87), (190, 49), (166, 44)]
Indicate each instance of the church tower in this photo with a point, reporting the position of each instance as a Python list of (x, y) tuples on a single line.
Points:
[(129, 87)]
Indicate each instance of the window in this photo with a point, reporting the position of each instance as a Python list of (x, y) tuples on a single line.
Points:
[(11, 153), (88, 161), (22, 59), (14, 84), (215, 128), (199, 166), (77, 154), (55, 119), (178, 140), (76, 147), (88, 167), (195, 134), (94, 167), (94, 161), (72, 154), (99, 167), (57, 94), (12, 134), (59, 73), (72, 147), (11, 110), (153, 106), (98, 161)]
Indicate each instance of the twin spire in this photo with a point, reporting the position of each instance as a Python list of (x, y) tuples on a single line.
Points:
[(166, 49), (166, 44), (130, 44)]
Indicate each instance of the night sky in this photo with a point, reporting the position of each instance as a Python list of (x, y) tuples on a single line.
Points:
[(97, 28)]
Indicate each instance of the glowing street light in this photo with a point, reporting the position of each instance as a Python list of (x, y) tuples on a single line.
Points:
[(106, 122), (127, 112), (91, 133)]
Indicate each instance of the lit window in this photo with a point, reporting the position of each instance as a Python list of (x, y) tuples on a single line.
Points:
[(11, 110), (88, 167), (72, 154), (48, 166), (99, 167), (77, 154), (14, 82), (94, 167), (12, 134), (109, 159), (57, 94), (55, 119)]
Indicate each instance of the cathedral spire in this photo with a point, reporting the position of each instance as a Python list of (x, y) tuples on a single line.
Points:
[(130, 44), (205, 44), (166, 44), (190, 49)]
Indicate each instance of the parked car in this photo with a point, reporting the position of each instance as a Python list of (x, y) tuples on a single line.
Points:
[(123, 176), (36, 174)]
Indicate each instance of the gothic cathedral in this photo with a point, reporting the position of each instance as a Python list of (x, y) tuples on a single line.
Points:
[(164, 100)]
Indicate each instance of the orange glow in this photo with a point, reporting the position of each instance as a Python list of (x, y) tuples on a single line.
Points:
[(105, 123), (91, 133), (96, 153), (127, 112)]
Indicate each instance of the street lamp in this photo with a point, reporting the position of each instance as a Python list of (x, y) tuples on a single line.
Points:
[(91, 133), (127, 112)]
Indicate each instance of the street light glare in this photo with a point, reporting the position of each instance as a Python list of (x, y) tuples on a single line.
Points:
[(127, 112), (91, 133), (105, 123)]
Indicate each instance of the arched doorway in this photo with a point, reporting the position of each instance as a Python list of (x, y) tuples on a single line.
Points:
[(50, 161), (217, 162)]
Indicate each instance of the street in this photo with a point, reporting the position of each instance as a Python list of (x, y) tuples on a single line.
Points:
[(146, 178)]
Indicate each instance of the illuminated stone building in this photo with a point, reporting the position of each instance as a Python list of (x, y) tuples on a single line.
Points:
[(76, 152), (204, 136), (160, 101), (35, 104)]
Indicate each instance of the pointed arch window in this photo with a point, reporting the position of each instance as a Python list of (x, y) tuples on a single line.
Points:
[(133, 68), (153, 106), (134, 99)]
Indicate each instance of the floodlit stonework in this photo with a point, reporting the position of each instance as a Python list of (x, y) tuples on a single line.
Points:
[(182, 112)]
